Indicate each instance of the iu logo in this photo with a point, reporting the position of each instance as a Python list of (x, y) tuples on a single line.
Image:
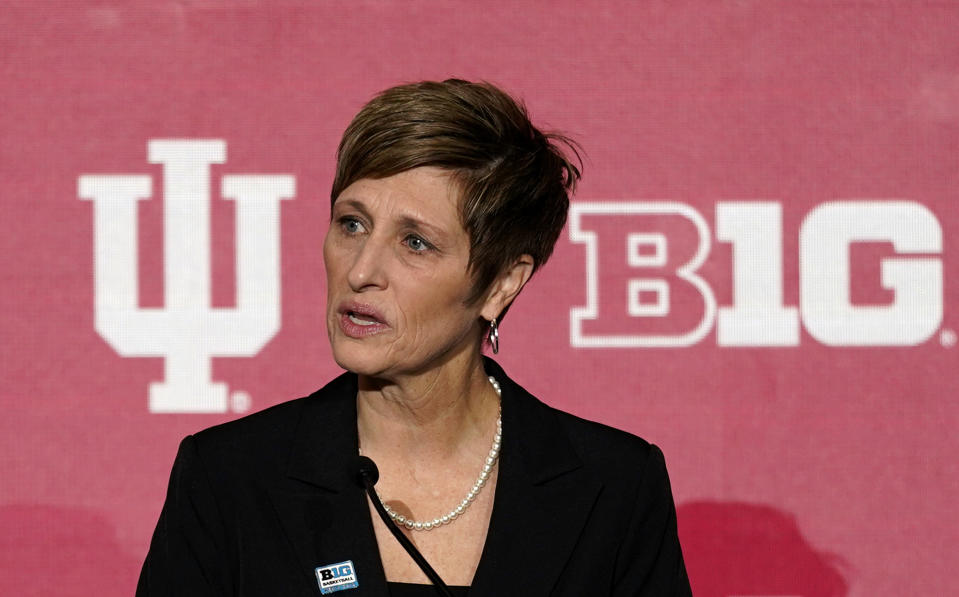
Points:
[(187, 331)]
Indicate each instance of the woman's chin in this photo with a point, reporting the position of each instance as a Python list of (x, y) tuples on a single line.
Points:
[(360, 360)]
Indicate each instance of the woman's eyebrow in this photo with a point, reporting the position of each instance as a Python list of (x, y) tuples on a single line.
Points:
[(415, 223), (354, 204), (406, 220)]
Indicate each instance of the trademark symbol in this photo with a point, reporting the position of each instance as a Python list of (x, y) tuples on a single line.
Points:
[(947, 338), (240, 401)]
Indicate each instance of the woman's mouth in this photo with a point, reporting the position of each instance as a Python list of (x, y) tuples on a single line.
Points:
[(359, 321)]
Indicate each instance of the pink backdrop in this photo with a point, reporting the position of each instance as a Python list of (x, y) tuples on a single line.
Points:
[(804, 152)]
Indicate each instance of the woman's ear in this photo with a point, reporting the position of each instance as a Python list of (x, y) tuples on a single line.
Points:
[(507, 286)]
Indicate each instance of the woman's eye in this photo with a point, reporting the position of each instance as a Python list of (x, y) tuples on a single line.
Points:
[(417, 244), (351, 225)]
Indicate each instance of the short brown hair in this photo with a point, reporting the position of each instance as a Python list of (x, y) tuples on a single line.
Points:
[(515, 180)]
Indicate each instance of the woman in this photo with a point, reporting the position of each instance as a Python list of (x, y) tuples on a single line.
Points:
[(446, 200)]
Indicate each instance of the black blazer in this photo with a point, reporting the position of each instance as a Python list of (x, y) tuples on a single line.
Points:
[(255, 505)]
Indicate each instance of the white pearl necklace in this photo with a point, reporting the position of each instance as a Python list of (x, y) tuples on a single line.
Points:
[(415, 525)]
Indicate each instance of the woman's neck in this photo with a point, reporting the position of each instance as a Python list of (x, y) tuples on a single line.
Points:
[(428, 416)]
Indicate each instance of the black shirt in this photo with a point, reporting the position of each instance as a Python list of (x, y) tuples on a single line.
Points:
[(402, 589)]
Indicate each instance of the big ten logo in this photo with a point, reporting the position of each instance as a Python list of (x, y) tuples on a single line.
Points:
[(335, 572), (336, 577), (187, 332), (646, 287)]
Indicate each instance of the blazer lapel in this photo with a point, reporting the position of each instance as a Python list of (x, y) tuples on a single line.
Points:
[(544, 496), (323, 510)]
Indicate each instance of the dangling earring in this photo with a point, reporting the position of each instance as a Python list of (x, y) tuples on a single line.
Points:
[(493, 336)]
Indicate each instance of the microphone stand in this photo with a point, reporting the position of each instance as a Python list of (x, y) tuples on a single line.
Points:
[(368, 478)]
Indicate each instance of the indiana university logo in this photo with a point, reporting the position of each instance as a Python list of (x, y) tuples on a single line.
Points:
[(187, 332)]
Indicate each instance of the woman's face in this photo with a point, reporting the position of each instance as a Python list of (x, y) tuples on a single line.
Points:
[(396, 261)]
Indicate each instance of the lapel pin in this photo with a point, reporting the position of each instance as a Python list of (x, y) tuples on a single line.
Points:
[(336, 577)]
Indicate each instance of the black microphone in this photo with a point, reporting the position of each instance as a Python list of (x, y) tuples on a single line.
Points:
[(367, 475), (366, 472)]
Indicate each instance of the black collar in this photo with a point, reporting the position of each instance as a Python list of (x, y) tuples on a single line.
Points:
[(543, 494)]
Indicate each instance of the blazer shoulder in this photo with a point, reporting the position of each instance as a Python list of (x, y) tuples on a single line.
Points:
[(551, 427), (265, 433), (615, 456), (276, 419), (597, 442)]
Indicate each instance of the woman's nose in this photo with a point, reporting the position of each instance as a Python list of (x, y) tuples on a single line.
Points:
[(368, 269)]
